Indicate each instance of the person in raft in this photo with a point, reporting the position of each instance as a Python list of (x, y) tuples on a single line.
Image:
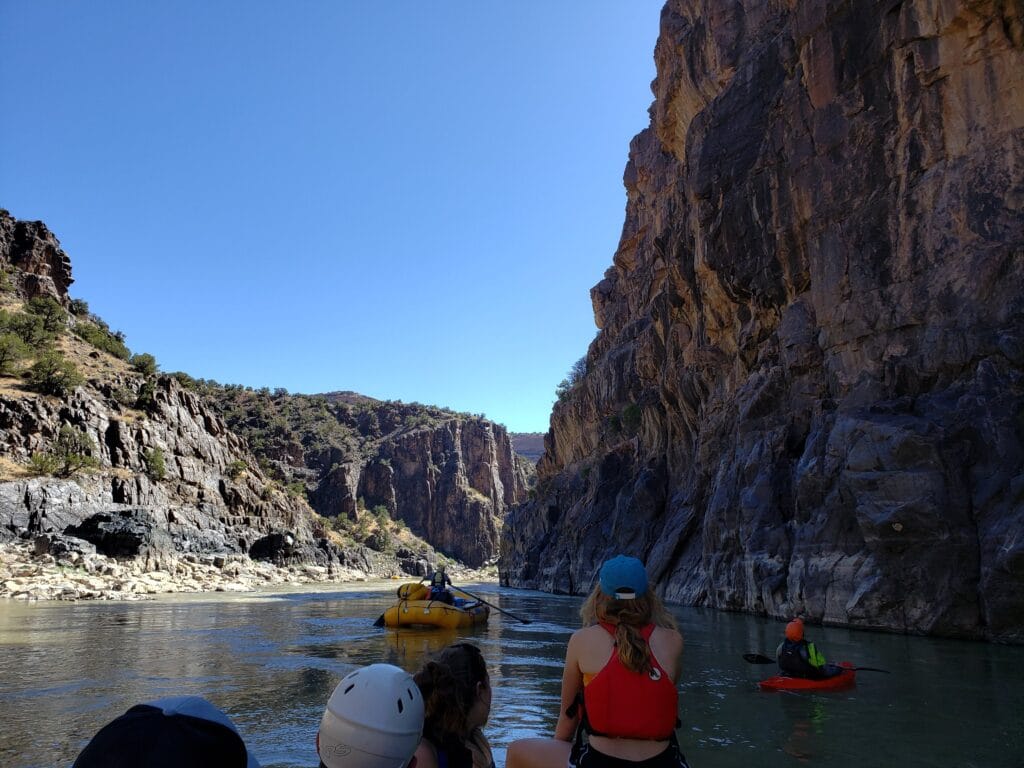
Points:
[(168, 733), (457, 694), (618, 684), (799, 658), (374, 719), (439, 584)]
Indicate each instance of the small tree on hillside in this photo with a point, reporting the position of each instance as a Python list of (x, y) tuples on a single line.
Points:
[(144, 364), (53, 374), (49, 309), (32, 330), (12, 349), (71, 453), (155, 466)]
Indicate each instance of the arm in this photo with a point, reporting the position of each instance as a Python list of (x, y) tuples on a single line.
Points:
[(572, 683)]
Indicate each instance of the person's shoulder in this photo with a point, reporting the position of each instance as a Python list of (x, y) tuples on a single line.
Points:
[(667, 636), (588, 632), (426, 755)]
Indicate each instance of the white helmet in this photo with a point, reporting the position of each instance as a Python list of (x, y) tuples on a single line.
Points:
[(373, 719)]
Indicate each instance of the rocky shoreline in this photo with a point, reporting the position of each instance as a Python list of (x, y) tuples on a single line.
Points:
[(26, 574)]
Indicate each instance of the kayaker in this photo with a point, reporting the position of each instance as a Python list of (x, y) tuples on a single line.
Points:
[(364, 727), (168, 733), (457, 694), (439, 584), (799, 658), (619, 703)]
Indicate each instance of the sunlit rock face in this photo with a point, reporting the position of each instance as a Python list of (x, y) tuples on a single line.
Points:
[(197, 506), (807, 393), (451, 483)]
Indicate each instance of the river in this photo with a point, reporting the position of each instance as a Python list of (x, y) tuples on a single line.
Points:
[(272, 660)]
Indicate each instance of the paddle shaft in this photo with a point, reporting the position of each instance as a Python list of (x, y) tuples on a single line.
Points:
[(760, 658), (500, 610)]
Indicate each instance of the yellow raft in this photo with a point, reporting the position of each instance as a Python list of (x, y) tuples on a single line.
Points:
[(413, 609)]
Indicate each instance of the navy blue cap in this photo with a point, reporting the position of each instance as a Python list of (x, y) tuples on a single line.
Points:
[(623, 578), (168, 733)]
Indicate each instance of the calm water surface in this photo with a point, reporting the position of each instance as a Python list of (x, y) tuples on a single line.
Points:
[(271, 662)]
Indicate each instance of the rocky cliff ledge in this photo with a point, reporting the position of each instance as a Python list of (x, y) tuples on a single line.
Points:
[(449, 477), (807, 393)]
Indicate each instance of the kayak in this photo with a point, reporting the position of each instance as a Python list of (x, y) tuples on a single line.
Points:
[(414, 609), (845, 679)]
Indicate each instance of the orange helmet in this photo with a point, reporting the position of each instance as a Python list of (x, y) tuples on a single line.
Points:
[(795, 630)]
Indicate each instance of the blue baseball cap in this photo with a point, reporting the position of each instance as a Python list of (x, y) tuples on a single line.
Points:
[(168, 733), (623, 578)]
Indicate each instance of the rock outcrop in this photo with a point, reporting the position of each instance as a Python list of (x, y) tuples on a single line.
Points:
[(807, 393), (193, 500), (449, 477)]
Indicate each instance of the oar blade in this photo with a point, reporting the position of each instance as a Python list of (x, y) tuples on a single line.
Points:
[(380, 621), (757, 658), (872, 669)]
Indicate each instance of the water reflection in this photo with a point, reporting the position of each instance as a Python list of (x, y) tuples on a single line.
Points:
[(272, 662)]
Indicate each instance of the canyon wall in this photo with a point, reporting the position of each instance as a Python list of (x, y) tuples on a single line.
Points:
[(807, 392)]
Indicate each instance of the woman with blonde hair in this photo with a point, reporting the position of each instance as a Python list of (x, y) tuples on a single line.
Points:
[(618, 684)]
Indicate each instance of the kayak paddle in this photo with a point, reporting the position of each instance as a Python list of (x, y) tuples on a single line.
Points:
[(759, 658), (500, 610)]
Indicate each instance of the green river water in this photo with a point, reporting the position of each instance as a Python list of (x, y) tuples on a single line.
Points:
[(271, 662)]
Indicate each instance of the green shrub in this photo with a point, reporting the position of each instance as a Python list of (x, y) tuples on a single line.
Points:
[(79, 307), (297, 488), (49, 309), (12, 349), (146, 400), (186, 381), (155, 466), (632, 416), (43, 464), (31, 328), (143, 363), (71, 453), (102, 338), (53, 374), (236, 469)]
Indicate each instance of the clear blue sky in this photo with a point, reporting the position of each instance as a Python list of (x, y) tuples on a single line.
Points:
[(410, 200)]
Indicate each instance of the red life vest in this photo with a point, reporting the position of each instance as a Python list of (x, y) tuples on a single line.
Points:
[(631, 705)]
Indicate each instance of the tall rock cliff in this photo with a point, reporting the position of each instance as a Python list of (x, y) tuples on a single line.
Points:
[(807, 393), (449, 477)]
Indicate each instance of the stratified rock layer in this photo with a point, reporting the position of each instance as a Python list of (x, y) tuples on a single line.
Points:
[(807, 394)]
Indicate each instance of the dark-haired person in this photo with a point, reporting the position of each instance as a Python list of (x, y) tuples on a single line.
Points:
[(799, 658), (168, 733), (619, 697), (457, 698)]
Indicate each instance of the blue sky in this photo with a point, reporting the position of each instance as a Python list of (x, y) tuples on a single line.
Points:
[(410, 200)]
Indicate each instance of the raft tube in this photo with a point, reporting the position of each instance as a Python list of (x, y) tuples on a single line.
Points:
[(414, 610), (845, 679)]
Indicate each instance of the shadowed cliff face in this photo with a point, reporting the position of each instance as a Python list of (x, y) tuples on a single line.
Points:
[(807, 394)]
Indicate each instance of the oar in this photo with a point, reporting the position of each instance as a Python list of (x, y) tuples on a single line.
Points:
[(758, 658), (500, 610)]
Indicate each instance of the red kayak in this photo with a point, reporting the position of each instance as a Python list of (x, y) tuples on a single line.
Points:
[(844, 679)]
